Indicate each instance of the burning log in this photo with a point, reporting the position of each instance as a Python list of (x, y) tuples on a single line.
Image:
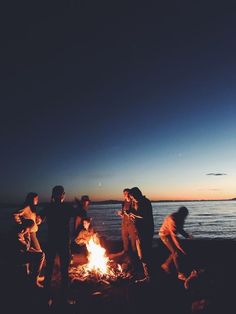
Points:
[(99, 268)]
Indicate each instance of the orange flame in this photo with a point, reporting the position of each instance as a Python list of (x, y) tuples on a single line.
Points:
[(97, 259), (99, 266)]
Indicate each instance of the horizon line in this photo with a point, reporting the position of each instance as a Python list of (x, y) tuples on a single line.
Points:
[(120, 201)]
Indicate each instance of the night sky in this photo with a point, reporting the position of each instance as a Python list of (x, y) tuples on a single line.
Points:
[(103, 95)]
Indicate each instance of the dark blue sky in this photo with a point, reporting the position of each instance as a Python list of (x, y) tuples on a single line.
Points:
[(100, 95)]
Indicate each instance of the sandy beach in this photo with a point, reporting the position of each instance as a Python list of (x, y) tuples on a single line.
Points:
[(211, 292)]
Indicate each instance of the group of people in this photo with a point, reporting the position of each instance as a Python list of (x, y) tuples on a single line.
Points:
[(58, 216), (137, 230), (138, 227)]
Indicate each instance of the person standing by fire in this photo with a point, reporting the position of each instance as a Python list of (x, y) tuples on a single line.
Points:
[(28, 211), (23, 252), (142, 215), (128, 229), (58, 215)]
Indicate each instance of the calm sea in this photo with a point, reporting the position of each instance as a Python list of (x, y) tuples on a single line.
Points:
[(206, 220)]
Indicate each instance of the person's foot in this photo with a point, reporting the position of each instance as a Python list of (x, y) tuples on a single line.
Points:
[(40, 278), (194, 274), (143, 280), (165, 268), (182, 276), (37, 284), (70, 301)]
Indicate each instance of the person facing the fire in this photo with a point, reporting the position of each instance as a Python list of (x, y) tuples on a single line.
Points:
[(82, 206), (128, 229), (84, 235), (172, 225), (24, 253), (28, 211), (57, 215), (142, 216)]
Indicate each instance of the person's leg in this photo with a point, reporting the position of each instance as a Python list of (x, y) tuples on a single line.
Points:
[(64, 254), (50, 257), (36, 260), (174, 256), (171, 247), (34, 242), (143, 247), (146, 247), (132, 232), (125, 237)]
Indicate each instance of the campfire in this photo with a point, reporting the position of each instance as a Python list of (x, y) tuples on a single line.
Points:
[(99, 266)]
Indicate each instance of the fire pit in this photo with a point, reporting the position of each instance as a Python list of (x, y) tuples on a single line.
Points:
[(99, 267)]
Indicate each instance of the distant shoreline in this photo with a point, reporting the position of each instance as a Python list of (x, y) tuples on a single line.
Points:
[(106, 202)]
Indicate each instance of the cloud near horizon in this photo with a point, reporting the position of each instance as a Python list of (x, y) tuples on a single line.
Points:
[(216, 174)]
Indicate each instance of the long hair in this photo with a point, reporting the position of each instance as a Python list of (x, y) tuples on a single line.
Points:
[(136, 193), (29, 201)]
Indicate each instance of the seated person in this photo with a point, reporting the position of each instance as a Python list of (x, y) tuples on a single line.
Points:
[(84, 236), (24, 253)]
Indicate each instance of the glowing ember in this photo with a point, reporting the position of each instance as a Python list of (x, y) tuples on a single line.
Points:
[(99, 266)]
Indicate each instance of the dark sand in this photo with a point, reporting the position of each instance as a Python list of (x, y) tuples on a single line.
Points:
[(212, 292)]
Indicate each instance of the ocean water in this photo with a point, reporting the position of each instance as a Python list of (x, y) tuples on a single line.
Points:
[(206, 220)]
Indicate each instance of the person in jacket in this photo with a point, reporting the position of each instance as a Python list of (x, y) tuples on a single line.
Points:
[(58, 215), (172, 226), (28, 211), (142, 216)]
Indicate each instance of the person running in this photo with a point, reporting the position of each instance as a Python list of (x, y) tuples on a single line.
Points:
[(28, 211), (172, 226), (142, 216), (57, 215)]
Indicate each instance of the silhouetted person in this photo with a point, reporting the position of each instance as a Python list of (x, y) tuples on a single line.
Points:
[(128, 229), (23, 252), (143, 218), (28, 211), (82, 206), (172, 225), (58, 215)]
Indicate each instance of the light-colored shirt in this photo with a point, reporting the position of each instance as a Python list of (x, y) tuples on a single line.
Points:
[(26, 213)]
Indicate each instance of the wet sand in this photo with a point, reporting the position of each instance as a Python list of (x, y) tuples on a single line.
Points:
[(212, 292)]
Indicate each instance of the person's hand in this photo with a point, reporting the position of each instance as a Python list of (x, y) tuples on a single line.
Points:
[(190, 236), (132, 217), (38, 220), (119, 213)]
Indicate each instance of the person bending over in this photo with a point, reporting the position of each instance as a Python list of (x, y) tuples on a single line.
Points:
[(172, 226)]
